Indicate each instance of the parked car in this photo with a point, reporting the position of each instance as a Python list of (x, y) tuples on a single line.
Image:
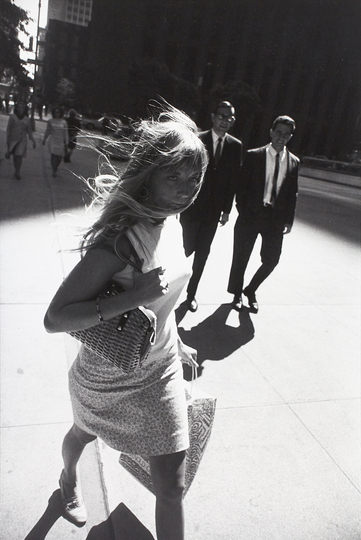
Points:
[(115, 128), (116, 124), (92, 121)]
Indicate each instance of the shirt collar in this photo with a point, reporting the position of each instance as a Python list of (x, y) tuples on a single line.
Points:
[(215, 137), (273, 152)]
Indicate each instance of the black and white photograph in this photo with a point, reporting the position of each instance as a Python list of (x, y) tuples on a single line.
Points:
[(180, 269)]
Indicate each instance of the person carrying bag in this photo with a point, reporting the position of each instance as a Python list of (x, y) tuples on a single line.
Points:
[(143, 411)]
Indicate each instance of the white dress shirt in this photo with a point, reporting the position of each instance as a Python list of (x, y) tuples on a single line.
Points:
[(270, 167)]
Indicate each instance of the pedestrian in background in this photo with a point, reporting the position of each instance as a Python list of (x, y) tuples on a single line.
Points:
[(73, 130), (145, 411), (266, 201), (57, 133), (214, 202), (17, 133)]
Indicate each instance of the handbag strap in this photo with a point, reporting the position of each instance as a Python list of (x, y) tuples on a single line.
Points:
[(137, 263), (194, 378)]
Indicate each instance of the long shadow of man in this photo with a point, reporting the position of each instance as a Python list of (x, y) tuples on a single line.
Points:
[(213, 338)]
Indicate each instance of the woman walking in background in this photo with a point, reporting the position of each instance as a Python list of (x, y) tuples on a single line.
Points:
[(17, 133), (73, 130), (57, 132), (143, 412)]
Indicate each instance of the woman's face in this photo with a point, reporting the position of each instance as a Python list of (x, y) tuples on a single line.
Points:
[(20, 108), (173, 189)]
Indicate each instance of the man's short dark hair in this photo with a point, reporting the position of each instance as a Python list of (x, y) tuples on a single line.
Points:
[(287, 120), (222, 104)]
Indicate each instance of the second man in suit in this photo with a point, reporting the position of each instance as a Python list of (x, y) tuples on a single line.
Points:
[(214, 202), (266, 202)]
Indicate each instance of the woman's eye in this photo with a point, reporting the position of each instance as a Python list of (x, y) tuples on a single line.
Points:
[(192, 180)]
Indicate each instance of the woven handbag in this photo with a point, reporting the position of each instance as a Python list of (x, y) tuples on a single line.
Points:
[(124, 340)]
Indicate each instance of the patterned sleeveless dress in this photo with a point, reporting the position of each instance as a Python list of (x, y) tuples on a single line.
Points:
[(144, 412)]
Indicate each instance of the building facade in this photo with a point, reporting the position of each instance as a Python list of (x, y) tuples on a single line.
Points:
[(71, 11), (270, 58), (66, 51)]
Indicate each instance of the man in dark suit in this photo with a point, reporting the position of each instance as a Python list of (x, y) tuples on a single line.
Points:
[(266, 201), (215, 199)]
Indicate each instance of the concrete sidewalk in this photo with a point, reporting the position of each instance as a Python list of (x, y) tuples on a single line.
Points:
[(283, 461)]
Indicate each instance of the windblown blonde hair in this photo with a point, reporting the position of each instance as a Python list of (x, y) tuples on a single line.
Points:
[(169, 140)]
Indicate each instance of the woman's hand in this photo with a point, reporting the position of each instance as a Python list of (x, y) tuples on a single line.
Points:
[(150, 286), (74, 307), (188, 354)]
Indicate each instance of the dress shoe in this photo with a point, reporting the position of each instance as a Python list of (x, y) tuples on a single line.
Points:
[(73, 507), (252, 300), (237, 303), (192, 304)]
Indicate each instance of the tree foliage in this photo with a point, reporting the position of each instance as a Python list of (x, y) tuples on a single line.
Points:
[(12, 20), (65, 92)]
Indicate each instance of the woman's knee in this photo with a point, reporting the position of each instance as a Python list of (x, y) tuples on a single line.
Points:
[(168, 474), (81, 436)]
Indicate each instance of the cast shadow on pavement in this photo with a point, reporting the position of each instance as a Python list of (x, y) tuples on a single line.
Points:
[(124, 522), (51, 515), (121, 520), (214, 338)]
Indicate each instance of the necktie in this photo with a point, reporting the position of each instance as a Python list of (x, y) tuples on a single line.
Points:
[(274, 182), (217, 155)]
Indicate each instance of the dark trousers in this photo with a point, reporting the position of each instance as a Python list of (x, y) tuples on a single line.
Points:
[(197, 237), (245, 235)]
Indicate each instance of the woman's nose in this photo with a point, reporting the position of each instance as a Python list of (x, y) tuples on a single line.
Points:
[(185, 189)]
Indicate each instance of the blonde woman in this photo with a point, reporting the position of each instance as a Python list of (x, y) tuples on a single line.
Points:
[(144, 412)]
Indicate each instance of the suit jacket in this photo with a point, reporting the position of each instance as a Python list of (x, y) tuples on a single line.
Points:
[(249, 196), (219, 183)]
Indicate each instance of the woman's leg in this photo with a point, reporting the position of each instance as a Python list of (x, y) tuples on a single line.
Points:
[(18, 160), (55, 162), (73, 445), (59, 159), (168, 480), (72, 502)]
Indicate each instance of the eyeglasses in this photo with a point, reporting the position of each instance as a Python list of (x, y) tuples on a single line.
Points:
[(229, 118)]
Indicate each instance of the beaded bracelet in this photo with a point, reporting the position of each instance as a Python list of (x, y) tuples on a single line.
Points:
[(99, 313)]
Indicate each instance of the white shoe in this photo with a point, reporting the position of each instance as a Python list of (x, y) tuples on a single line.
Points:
[(73, 507)]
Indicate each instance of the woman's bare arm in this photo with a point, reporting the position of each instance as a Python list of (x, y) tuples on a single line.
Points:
[(74, 305)]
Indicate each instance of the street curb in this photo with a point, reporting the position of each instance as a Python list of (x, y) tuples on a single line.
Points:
[(336, 177)]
